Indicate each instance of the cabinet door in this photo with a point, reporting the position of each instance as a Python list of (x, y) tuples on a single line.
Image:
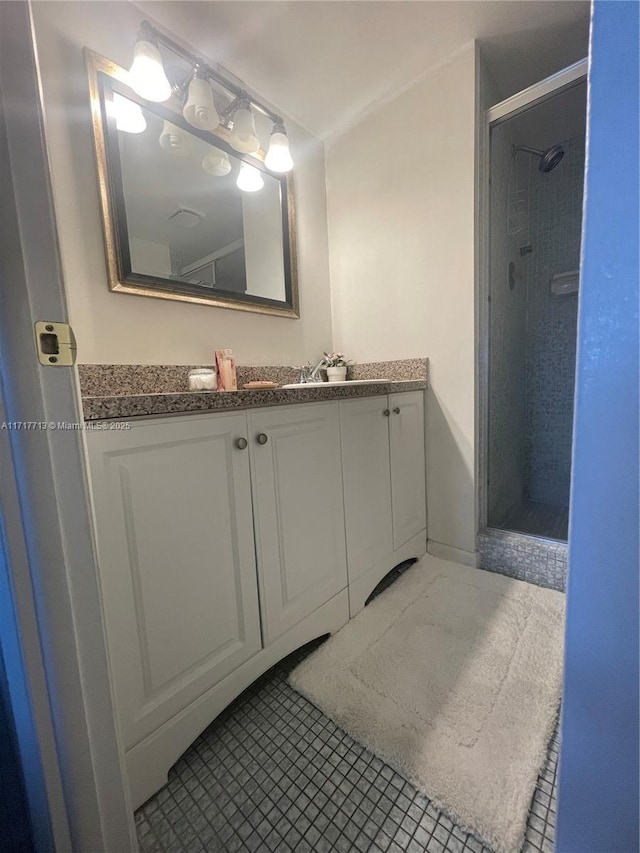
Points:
[(407, 465), (298, 511), (176, 553), (364, 426)]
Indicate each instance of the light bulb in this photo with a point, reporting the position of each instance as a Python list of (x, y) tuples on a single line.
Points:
[(128, 115), (278, 157), (217, 163), (174, 140), (249, 179), (199, 110), (146, 75), (243, 137)]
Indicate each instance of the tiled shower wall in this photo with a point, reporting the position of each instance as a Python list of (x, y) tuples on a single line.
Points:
[(532, 335), (555, 211)]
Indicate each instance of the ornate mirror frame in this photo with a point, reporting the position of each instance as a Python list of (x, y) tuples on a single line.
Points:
[(106, 77)]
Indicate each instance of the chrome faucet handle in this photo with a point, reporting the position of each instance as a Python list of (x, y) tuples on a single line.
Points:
[(305, 373), (314, 375)]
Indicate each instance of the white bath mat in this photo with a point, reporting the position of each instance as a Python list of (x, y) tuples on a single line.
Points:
[(453, 677)]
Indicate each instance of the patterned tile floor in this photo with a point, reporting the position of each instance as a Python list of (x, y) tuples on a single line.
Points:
[(272, 774)]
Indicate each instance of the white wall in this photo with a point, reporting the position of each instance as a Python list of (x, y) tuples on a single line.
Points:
[(401, 240), (121, 328)]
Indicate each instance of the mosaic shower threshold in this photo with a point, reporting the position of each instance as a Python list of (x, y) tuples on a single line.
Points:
[(524, 557), (273, 774)]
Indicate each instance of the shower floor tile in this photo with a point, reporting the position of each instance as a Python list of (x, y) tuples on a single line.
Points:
[(538, 519), (272, 774)]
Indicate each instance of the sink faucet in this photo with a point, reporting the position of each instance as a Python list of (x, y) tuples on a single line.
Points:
[(309, 374)]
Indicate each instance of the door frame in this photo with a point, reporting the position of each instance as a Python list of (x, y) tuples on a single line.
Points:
[(511, 107), (68, 739)]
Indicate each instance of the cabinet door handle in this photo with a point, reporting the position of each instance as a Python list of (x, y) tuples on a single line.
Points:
[(241, 443), (263, 438), (386, 413), (397, 410)]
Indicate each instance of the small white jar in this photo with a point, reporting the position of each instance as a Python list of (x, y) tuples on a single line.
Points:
[(203, 379)]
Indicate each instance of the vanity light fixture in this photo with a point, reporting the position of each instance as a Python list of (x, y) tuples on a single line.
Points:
[(243, 136), (217, 163), (278, 157), (128, 115), (199, 109), (174, 140), (249, 179), (146, 75)]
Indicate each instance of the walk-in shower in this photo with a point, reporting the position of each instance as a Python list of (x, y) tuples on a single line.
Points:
[(535, 217)]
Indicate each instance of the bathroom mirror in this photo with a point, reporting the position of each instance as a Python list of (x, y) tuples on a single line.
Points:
[(176, 223)]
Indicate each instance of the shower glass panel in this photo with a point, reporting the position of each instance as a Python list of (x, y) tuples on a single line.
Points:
[(537, 173)]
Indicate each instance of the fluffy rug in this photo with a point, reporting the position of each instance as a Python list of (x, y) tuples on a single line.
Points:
[(453, 677)]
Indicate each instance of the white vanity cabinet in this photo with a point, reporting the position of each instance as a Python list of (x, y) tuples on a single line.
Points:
[(298, 511), (407, 452), (174, 527), (383, 464), (226, 540), (366, 469)]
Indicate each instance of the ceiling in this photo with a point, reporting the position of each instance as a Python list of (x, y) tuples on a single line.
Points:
[(327, 63)]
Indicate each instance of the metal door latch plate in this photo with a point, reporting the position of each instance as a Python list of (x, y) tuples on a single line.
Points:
[(55, 343)]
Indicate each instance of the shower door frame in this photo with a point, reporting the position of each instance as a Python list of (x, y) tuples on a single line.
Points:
[(562, 81)]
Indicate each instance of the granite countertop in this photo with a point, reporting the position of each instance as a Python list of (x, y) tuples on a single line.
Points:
[(144, 405), (139, 390)]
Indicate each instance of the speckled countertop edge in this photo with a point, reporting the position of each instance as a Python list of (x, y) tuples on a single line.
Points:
[(145, 405), (115, 380)]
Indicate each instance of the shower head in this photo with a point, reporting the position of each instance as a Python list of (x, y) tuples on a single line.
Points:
[(549, 159)]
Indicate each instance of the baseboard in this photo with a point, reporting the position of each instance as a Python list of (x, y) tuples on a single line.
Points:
[(455, 555)]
